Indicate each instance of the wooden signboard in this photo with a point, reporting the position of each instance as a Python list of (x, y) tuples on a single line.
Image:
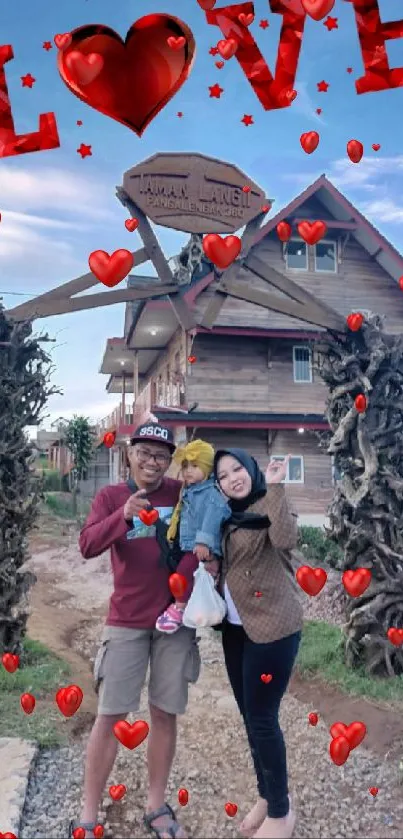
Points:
[(194, 193)]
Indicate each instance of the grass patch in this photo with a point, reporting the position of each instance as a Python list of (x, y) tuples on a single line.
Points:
[(59, 505), (41, 673), (322, 654)]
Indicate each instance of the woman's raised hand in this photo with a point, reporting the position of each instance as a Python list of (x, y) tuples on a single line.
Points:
[(277, 471)]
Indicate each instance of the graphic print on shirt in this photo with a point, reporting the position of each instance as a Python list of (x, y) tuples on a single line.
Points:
[(143, 531)]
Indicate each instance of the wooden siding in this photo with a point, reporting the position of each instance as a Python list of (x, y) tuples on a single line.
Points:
[(359, 284)]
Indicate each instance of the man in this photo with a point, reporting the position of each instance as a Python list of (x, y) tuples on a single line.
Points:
[(130, 641)]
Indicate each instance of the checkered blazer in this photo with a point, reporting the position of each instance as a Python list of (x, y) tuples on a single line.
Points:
[(258, 570)]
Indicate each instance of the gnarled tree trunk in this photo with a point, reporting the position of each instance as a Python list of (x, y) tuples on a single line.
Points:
[(366, 514)]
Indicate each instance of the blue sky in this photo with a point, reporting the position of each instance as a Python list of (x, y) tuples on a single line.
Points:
[(56, 208)]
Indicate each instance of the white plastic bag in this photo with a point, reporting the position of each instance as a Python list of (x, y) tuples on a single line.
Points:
[(205, 606)]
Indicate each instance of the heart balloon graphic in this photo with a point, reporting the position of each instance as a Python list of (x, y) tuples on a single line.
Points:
[(139, 75), (131, 735)]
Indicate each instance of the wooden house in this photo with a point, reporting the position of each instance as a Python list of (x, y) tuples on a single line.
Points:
[(251, 380)]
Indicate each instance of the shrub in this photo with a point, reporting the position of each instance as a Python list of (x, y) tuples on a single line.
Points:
[(52, 480), (318, 548)]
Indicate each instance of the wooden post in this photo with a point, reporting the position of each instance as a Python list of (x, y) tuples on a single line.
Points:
[(123, 406), (135, 375)]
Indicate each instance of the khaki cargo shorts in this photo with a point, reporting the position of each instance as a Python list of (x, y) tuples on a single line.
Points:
[(121, 664)]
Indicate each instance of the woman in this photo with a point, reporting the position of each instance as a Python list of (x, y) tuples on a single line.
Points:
[(262, 630)]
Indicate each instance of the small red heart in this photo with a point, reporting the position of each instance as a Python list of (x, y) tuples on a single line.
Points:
[(63, 41), (183, 797), (311, 580), (355, 150), (69, 700), (109, 439), (111, 269), (355, 321), (312, 232), (313, 718), (401, 283), (354, 733), (79, 833), (266, 678), (246, 20), (131, 224), (219, 64), (265, 208), (84, 68), (376, 147), (8, 836), (28, 702), (319, 111), (289, 96), (131, 735), (231, 809), (176, 43), (258, 594), (374, 791), (360, 403), (98, 831), (192, 359), (339, 750), (10, 662), (177, 585), (309, 141), (246, 189), (356, 582), (227, 48), (284, 231), (318, 9), (395, 636), (221, 251), (117, 791), (148, 517)]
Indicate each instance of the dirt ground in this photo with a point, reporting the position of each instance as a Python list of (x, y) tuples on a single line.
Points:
[(68, 606)]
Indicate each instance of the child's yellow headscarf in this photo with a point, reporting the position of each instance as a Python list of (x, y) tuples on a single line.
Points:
[(201, 454)]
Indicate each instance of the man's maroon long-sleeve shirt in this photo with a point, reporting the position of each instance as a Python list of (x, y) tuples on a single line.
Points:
[(141, 590)]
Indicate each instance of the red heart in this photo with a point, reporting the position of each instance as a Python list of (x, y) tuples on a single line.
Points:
[(265, 208), (311, 232), (289, 95), (313, 718), (10, 662), (98, 831), (258, 594), (231, 809), (246, 19), (111, 269), (183, 797), (310, 579), (246, 189), (339, 750), (355, 321), (191, 359), (284, 231), (176, 43), (131, 224), (28, 702), (318, 9), (266, 678), (8, 836), (395, 636), (353, 733), (360, 403), (355, 150), (63, 41), (84, 68), (109, 439), (309, 141), (374, 791), (131, 735), (219, 251), (117, 791), (79, 833), (177, 585), (69, 700), (206, 5), (376, 147), (356, 582), (227, 48), (140, 75), (148, 517), (401, 283), (219, 64)]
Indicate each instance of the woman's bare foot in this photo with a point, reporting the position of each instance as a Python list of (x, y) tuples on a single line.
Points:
[(277, 828), (254, 819)]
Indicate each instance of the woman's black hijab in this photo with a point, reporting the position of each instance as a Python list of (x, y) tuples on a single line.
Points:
[(240, 515)]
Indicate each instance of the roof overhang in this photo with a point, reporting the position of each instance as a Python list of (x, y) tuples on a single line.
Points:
[(117, 358)]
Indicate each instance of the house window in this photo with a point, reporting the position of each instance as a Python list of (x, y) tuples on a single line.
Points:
[(337, 473), (302, 364), (296, 255), (295, 468), (325, 257)]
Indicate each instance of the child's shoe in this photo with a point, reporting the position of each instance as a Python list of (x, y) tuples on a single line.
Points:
[(170, 620)]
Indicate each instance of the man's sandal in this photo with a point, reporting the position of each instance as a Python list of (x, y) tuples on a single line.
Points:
[(171, 828), (87, 826)]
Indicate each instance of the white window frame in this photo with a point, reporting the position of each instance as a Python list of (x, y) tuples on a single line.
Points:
[(326, 270), (300, 241), (287, 478), (294, 362)]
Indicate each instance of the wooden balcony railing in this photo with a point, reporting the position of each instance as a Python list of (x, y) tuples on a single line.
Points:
[(133, 414)]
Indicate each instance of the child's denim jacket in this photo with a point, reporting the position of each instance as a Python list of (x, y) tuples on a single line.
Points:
[(203, 513)]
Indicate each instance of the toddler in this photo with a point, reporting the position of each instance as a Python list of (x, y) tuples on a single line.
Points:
[(197, 519)]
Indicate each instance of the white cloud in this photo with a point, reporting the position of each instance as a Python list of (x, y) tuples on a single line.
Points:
[(52, 189), (366, 174), (383, 210)]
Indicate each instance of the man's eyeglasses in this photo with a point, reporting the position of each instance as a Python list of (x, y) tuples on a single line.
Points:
[(144, 455)]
